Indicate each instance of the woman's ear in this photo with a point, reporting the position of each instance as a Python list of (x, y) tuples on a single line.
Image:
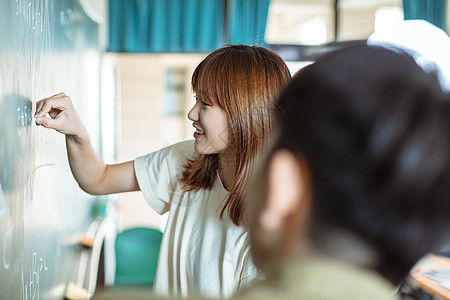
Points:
[(288, 200)]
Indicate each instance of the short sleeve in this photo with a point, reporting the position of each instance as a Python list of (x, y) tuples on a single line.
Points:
[(157, 173), (250, 274)]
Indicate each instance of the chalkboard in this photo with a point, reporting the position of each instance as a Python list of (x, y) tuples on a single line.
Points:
[(45, 47)]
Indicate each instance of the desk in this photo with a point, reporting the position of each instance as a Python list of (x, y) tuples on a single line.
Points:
[(431, 262)]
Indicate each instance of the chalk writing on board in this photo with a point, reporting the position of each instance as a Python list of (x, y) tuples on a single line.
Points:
[(6, 263), (30, 14), (67, 20), (44, 165), (30, 285)]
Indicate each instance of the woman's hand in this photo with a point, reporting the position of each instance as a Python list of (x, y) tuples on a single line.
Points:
[(91, 173), (62, 115)]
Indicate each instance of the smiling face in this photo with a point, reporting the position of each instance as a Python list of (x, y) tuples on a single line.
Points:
[(239, 86), (212, 134)]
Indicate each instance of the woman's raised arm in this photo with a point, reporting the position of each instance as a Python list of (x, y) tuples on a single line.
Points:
[(92, 174)]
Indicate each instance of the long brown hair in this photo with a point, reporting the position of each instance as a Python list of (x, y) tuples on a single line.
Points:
[(244, 81)]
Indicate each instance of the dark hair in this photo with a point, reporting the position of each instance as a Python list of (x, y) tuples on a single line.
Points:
[(374, 130), (245, 82)]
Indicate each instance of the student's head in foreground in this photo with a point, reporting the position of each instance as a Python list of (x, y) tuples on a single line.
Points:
[(361, 167)]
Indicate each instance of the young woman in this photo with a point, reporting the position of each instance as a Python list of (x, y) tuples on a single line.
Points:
[(202, 182)]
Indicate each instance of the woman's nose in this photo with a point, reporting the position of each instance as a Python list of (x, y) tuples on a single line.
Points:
[(193, 113)]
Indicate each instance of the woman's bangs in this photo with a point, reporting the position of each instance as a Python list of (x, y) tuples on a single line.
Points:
[(208, 82)]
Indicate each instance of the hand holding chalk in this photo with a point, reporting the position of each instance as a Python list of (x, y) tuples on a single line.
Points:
[(57, 112)]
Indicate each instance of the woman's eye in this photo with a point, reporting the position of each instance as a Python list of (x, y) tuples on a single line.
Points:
[(203, 103)]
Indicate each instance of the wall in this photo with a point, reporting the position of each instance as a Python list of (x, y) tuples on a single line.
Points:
[(142, 124)]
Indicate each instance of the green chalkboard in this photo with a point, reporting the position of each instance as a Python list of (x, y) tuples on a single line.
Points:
[(46, 46)]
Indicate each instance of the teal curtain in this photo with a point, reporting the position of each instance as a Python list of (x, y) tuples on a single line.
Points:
[(166, 25), (431, 10), (247, 21), (185, 25)]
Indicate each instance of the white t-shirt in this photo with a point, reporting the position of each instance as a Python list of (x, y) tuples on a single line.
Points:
[(200, 254)]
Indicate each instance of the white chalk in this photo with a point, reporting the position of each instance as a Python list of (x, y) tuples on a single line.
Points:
[(75, 292), (87, 241)]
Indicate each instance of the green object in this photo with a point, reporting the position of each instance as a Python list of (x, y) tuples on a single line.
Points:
[(137, 251), (432, 11), (166, 26), (100, 207), (247, 21)]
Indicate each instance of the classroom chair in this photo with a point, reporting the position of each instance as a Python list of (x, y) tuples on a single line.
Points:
[(137, 251)]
